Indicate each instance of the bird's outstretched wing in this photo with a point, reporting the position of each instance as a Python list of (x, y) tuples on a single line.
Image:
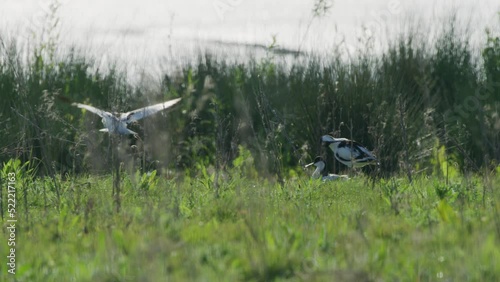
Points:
[(138, 114), (90, 109)]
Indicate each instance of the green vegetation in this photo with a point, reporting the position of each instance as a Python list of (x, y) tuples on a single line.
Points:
[(214, 190), (177, 230)]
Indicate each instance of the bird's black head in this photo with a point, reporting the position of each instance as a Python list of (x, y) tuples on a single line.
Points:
[(318, 159)]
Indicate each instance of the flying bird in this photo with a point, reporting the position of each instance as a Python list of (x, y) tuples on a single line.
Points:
[(117, 122), (348, 152), (320, 171)]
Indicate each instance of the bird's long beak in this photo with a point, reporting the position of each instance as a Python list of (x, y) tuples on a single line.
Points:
[(308, 165)]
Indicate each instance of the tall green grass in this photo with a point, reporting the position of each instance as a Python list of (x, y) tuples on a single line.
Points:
[(177, 230), (404, 103)]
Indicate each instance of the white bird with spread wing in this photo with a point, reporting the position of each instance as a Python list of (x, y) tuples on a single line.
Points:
[(117, 122)]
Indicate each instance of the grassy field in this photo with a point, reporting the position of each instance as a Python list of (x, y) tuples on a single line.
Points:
[(255, 230), (214, 190)]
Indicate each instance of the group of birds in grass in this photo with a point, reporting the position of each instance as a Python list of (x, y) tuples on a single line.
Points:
[(347, 152)]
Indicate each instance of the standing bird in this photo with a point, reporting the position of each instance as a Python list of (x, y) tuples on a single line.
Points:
[(321, 172), (348, 152), (117, 122)]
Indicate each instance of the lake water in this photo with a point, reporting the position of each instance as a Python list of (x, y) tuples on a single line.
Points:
[(143, 32)]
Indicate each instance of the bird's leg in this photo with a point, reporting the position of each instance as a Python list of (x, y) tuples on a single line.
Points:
[(143, 158), (351, 170)]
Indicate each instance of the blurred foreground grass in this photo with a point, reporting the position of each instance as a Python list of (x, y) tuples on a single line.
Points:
[(176, 230)]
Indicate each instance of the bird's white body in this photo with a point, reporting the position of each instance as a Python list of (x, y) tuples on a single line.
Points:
[(116, 123), (320, 172), (348, 152)]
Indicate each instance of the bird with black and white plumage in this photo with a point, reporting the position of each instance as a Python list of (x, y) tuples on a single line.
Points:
[(348, 152), (116, 123), (320, 171)]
